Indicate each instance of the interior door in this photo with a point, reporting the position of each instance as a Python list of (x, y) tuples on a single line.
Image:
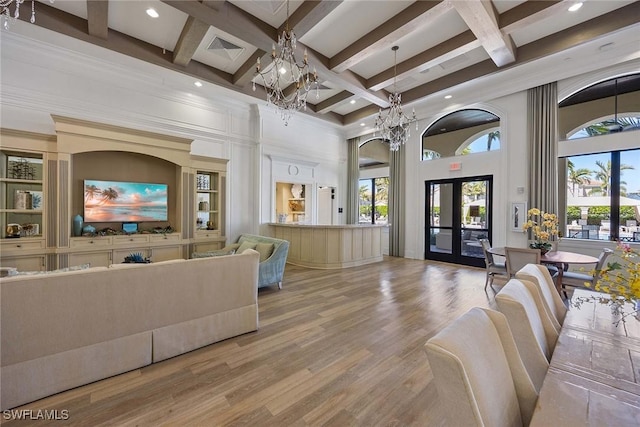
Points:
[(458, 214)]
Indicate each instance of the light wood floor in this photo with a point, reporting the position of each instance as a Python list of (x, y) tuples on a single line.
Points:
[(335, 348)]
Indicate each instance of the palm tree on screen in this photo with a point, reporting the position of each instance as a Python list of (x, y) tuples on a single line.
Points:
[(91, 191), (109, 194)]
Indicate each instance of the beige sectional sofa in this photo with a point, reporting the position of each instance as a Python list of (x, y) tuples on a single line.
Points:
[(63, 330)]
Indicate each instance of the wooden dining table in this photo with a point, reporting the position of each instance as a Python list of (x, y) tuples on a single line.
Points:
[(594, 374), (561, 259)]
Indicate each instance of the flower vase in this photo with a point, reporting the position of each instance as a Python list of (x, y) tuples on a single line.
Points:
[(77, 225)]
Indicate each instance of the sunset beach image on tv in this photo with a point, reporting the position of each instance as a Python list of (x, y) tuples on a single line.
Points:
[(114, 201)]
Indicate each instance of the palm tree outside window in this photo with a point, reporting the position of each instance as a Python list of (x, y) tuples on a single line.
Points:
[(603, 196), (374, 200)]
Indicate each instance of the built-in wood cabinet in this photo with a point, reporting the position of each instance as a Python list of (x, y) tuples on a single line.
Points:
[(209, 204), (42, 190), (95, 259), (105, 250), (24, 207)]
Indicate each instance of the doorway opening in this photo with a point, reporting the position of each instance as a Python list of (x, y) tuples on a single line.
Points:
[(458, 214)]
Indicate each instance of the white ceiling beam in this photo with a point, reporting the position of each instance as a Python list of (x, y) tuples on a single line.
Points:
[(305, 17), (482, 18), (518, 18), (414, 17), (246, 27)]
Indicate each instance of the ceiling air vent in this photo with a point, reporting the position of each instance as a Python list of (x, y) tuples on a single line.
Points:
[(224, 48), (271, 5)]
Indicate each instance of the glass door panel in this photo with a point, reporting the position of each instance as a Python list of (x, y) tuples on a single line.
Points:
[(474, 217), (440, 218), (458, 215)]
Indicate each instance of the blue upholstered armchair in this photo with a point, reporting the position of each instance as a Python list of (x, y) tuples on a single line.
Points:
[(271, 269)]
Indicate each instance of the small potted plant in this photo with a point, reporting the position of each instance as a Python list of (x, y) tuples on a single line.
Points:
[(544, 227), (136, 258)]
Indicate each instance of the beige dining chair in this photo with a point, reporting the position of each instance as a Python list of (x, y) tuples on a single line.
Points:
[(574, 279), (480, 377), (533, 332), (540, 276), (493, 268), (519, 257)]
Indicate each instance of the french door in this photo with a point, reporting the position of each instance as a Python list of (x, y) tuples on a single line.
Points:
[(457, 215)]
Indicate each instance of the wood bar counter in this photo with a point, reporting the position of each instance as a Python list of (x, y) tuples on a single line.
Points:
[(331, 246)]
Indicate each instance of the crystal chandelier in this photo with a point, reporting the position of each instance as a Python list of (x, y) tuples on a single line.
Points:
[(395, 126), (6, 13), (284, 71)]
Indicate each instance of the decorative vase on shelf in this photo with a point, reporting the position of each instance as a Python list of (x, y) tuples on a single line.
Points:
[(77, 225)]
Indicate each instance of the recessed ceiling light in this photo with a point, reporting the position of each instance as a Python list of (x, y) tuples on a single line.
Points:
[(198, 84), (353, 101), (361, 124), (152, 12), (575, 7), (448, 96), (283, 71)]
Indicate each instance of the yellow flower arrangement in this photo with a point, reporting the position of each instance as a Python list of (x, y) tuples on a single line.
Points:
[(620, 279), (544, 227)]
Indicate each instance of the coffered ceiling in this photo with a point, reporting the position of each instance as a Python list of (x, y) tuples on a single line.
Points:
[(442, 43)]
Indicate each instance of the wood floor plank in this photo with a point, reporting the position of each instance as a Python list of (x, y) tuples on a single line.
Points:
[(334, 348)]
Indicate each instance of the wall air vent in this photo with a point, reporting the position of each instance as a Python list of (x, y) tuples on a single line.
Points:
[(224, 48)]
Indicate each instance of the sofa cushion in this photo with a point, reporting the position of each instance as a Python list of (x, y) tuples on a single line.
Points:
[(220, 252), (246, 245), (265, 250), (231, 247)]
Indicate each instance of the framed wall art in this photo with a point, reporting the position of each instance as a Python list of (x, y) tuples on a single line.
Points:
[(518, 215)]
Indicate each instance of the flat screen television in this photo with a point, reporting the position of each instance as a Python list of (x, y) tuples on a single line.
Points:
[(115, 201)]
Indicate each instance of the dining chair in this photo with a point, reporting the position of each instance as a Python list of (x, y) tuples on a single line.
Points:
[(540, 276), (480, 377), (532, 329), (577, 280), (519, 257), (493, 268)]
